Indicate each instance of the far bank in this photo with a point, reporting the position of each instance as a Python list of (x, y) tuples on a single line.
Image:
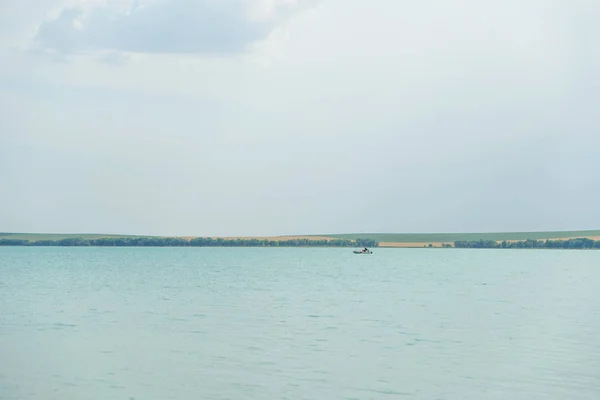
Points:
[(558, 239)]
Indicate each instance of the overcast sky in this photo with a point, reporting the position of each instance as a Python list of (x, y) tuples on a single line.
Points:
[(265, 117)]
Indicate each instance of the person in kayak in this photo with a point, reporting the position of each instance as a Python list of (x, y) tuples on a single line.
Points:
[(365, 250)]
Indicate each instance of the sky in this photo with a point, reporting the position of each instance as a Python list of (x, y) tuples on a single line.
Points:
[(271, 117)]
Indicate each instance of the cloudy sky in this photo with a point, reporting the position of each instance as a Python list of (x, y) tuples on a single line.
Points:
[(264, 117)]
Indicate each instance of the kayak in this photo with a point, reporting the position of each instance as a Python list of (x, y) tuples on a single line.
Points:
[(363, 252)]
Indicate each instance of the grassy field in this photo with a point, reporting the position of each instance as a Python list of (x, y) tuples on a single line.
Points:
[(90, 236), (453, 237), (57, 236)]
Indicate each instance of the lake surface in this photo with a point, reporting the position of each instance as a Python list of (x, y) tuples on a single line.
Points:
[(315, 324)]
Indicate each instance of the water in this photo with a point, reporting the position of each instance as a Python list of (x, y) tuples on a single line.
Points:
[(204, 323)]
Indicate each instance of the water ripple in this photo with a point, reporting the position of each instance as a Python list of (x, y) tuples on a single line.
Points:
[(295, 324)]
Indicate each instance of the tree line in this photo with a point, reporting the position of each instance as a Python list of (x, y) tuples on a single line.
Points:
[(196, 242), (576, 243)]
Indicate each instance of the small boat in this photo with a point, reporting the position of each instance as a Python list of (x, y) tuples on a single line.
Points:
[(363, 252)]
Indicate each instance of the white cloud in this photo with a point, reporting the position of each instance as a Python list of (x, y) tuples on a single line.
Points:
[(165, 26)]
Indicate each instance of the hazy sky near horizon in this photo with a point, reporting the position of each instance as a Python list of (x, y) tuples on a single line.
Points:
[(264, 117)]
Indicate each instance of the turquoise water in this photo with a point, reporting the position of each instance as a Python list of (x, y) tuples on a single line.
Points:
[(242, 323)]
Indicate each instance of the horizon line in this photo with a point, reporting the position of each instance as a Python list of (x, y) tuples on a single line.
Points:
[(304, 235)]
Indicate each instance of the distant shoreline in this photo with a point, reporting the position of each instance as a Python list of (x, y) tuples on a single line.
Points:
[(552, 240), (437, 239), (159, 241)]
